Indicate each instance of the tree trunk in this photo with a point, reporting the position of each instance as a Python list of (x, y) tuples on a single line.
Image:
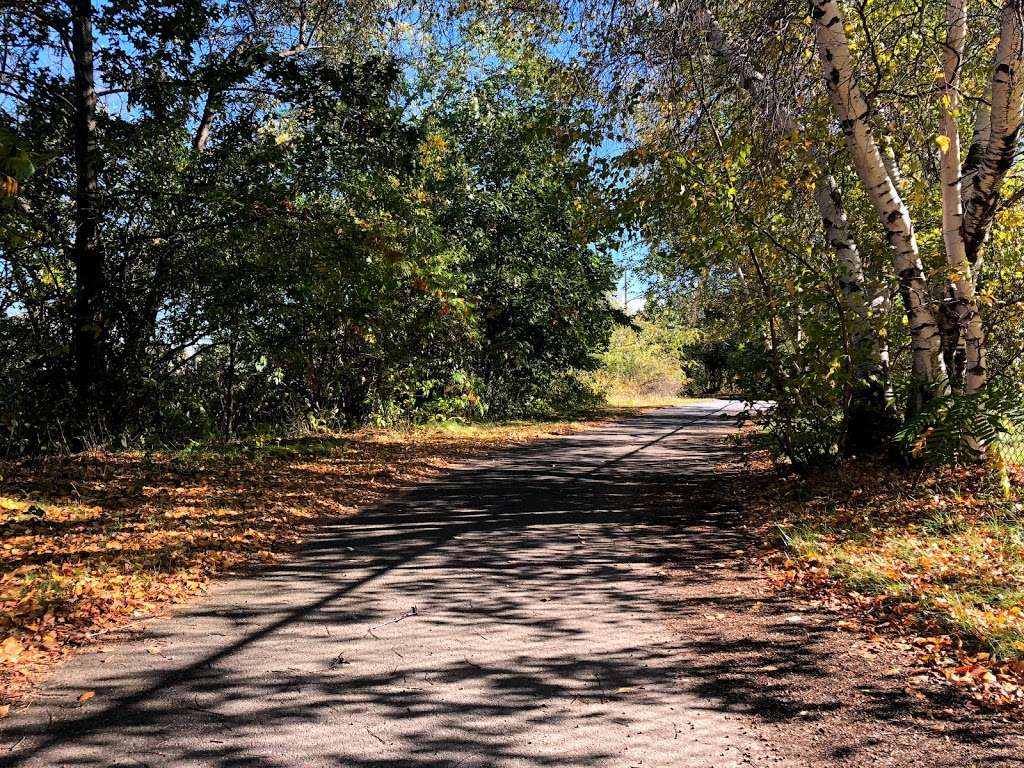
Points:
[(205, 127), (868, 416), (995, 146), (929, 369), (979, 141), (229, 392), (89, 332), (214, 100), (961, 303)]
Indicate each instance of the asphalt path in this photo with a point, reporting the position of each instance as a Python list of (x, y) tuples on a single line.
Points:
[(509, 613)]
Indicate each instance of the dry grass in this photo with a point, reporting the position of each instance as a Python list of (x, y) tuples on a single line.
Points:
[(622, 399), (93, 542)]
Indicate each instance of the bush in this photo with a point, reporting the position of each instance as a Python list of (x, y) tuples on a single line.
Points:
[(642, 362)]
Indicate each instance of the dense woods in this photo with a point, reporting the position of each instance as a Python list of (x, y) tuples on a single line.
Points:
[(235, 217)]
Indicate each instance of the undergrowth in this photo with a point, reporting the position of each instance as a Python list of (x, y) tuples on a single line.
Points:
[(934, 557)]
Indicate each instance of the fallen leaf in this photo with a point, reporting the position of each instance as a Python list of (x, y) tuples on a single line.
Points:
[(86, 696), (11, 649)]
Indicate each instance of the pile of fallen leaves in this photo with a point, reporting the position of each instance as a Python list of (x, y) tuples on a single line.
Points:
[(94, 542), (930, 562)]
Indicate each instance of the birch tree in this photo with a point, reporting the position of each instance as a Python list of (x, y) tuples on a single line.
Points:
[(970, 194), (997, 131), (872, 371), (962, 301), (852, 111)]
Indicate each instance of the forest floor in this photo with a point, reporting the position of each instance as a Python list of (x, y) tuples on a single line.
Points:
[(929, 562), (598, 599)]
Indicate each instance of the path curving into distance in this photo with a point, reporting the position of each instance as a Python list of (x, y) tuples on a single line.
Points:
[(512, 613)]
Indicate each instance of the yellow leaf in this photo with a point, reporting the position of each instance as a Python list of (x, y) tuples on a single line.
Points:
[(11, 649), (86, 696), (8, 186), (942, 142)]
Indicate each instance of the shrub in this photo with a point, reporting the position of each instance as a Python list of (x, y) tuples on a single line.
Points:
[(643, 361)]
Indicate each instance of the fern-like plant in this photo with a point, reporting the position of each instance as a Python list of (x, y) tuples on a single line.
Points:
[(964, 428)]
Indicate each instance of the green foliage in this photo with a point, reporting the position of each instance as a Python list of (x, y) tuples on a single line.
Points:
[(643, 361), (360, 239), (804, 432), (769, 326), (960, 428), (709, 364)]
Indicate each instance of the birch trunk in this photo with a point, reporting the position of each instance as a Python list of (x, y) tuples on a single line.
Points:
[(979, 141), (834, 52), (962, 304), (851, 277), (1000, 130), (873, 365)]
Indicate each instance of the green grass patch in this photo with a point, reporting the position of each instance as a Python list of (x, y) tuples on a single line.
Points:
[(944, 553)]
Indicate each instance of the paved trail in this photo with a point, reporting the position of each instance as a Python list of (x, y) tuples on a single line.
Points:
[(511, 614)]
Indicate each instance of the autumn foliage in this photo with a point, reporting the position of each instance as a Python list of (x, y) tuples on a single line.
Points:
[(932, 563)]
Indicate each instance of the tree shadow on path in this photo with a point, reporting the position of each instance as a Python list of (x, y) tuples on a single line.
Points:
[(507, 614)]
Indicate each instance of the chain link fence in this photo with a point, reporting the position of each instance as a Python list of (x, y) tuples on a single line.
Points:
[(1012, 449), (1008, 376)]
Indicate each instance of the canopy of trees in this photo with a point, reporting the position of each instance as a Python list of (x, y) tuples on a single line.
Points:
[(225, 216)]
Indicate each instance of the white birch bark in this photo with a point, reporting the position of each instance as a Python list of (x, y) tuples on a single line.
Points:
[(852, 110), (1004, 119), (962, 303), (826, 191), (979, 141), (851, 278)]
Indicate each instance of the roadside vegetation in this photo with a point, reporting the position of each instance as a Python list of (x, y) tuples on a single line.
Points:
[(929, 561), (644, 365)]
